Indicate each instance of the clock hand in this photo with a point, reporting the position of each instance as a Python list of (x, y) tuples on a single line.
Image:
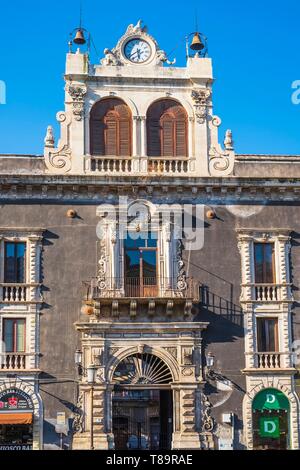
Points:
[(132, 55)]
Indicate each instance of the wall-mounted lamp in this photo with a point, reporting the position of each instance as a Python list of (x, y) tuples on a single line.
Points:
[(91, 373), (78, 357), (210, 360)]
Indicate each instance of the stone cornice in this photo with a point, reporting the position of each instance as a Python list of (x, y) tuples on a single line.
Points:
[(32, 233), (213, 190), (188, 327), (250, 231)]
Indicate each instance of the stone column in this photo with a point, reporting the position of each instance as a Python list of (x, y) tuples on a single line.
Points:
[(191, 145), (135, 137)]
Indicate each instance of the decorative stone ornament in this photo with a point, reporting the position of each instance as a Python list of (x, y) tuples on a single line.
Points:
[(210, 214), (58, 160), (181, 277), (228, 142), (207, 420), (49, 139), (87, 309), (136, 47), (221, 162), (200, 97), (77, 93), (71, 214)]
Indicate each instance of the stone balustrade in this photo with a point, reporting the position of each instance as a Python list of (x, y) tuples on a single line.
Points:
[(10, 293), (15, 361), (139, 165)]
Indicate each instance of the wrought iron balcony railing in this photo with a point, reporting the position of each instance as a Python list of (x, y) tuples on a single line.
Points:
[(146, 287)]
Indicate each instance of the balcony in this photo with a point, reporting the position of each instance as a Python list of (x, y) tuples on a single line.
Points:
[(267, 293), (122, 166), (269, 361), (15, 293), (125, 295), (148, 287), (16, 361)]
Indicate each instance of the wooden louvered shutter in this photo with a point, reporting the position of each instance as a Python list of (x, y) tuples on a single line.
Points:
[(111, 136), (180, 138), (167, 137), (110, 128), (167, 130), (124, 138), (97, 140), (153, 138)]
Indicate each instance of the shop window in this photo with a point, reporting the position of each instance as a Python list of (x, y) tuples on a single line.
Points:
[(14, 262), (264, 263), (267, 335), (14, 335)]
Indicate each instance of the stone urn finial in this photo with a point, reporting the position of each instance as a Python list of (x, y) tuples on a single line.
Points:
[(49, 139), (228, 142)]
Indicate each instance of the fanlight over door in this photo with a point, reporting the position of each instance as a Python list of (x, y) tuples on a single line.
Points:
[(141, 369)]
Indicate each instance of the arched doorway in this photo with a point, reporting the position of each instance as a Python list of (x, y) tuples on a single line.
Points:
[(16, 420), (142, 403), (270, 414)]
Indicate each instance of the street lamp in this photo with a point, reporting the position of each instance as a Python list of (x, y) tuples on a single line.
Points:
[(210, 361), (91, 378), (78, 357)]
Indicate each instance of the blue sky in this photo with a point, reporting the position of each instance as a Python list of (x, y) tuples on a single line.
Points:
[(254, 46)]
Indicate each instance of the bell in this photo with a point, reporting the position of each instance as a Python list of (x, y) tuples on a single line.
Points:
[(197, 44), (79, 38)]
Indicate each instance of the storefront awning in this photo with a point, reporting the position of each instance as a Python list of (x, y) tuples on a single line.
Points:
[(15, 418)]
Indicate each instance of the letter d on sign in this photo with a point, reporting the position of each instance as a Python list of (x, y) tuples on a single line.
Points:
[(270, 398), (269, 427)]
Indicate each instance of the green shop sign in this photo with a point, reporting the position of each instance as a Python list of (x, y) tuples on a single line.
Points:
[(270, 399), (269, 427)]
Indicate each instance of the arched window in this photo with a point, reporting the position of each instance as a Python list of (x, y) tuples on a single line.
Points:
[(110, 128), (167, 127)]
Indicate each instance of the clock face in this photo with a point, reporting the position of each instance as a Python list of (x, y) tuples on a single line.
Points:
[(137, 51)]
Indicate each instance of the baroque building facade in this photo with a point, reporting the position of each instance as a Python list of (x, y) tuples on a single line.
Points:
[(143, 332)]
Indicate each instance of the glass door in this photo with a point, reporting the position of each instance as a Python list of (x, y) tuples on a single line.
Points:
[(141, 266)]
